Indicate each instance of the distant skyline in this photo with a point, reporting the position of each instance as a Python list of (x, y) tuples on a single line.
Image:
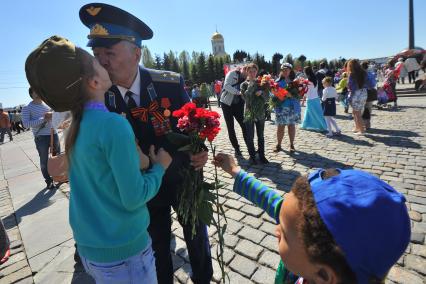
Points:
[(317, 29)]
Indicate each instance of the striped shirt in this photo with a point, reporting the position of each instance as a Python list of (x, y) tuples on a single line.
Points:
[(33, 116), (258, 193)]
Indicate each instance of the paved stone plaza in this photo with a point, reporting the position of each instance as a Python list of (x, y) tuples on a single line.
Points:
[(394, 150)]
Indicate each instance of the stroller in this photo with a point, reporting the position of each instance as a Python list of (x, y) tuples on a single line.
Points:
[(385, 96)]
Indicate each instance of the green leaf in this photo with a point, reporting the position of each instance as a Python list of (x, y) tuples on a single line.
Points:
[(205, 213)]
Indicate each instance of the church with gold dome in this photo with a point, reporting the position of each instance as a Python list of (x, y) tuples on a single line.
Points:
[(218, 44)]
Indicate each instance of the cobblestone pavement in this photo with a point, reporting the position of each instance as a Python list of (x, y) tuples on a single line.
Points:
[(16, 269), (394, 150)]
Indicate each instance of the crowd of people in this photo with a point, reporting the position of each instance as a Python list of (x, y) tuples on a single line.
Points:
[(10, 122), (123, 171)]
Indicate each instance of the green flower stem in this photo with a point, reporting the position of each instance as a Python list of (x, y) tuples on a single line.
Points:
[(220, 230)]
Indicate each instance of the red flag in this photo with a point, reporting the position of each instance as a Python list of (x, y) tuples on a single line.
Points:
[(225, 69)]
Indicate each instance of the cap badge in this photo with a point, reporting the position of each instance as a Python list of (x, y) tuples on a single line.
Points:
[(93, 11), (98, 30)]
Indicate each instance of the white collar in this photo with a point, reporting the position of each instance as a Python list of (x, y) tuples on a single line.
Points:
[(135, 88)]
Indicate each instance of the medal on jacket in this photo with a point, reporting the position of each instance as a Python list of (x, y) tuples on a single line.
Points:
[(165, 103), (159, 122)]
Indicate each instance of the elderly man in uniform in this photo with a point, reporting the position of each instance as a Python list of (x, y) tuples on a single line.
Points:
[(147, 98)]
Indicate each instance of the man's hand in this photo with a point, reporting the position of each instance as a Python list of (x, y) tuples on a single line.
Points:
[(227, 163), (143, 159), (199, 160)]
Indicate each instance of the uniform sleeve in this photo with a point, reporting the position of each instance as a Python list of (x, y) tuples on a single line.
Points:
[(135, 188), (258, 193), (26, 118)]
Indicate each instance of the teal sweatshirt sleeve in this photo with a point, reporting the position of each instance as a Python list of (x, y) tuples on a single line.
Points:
[(258, 193), (135, 188)]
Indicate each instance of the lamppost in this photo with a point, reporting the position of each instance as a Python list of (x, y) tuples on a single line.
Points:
[(410, 25)]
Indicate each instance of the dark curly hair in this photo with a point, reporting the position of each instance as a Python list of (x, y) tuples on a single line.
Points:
[(319, 243)]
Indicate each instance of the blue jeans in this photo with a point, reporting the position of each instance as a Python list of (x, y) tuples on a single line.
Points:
[(43, 144), (139, 268)]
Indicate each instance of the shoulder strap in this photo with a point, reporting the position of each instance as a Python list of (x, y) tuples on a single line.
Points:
[(164, 76), (51, 142)]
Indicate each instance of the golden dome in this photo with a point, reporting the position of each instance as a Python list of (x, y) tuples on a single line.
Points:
[(217, 36)]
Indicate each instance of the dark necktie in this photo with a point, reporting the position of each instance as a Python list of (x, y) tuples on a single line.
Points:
[(131, 103)]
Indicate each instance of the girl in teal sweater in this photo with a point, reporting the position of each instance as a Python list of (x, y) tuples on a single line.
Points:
[(109, 184)]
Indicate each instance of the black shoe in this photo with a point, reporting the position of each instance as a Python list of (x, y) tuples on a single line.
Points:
[(238, 152), (50, 186), (263, 160), (252, 161)]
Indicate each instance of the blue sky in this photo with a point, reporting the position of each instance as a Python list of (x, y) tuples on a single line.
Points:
[(317, 29)]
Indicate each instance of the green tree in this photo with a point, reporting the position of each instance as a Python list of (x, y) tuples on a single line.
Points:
[(239, 56), (184, 63), (218, 68), (167, 64), (276, 62), (158, 64), (194, 73), (201, 68), (210, 69), (302, 59), (147, 59), (174, 64), (289, 59)]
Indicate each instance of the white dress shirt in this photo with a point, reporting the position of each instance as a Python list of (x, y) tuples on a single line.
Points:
[(135, 89)]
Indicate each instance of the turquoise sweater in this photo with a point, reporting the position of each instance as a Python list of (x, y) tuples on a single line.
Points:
[(108, 212)]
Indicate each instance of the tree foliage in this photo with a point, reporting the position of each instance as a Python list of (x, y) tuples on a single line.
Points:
[(197, 67)]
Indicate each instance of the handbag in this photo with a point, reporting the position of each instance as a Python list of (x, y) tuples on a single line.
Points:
[(57, 163)]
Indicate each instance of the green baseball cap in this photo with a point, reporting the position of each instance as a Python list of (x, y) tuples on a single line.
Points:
[(53, 70)]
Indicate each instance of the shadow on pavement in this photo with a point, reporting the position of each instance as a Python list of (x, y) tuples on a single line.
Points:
[(313, 160), (80, 276), (40, 200), (390, 132), (402, 142), (351, 140), (394, 138)]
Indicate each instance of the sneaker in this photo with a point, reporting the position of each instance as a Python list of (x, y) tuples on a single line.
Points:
[(238, 153), (51, 186), (338, 133), (292, 149), (329, 135)]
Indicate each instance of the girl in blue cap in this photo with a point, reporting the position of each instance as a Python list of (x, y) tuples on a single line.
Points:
[(334, 226)]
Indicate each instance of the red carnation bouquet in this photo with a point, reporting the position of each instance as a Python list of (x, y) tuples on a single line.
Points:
[(197, 197)]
